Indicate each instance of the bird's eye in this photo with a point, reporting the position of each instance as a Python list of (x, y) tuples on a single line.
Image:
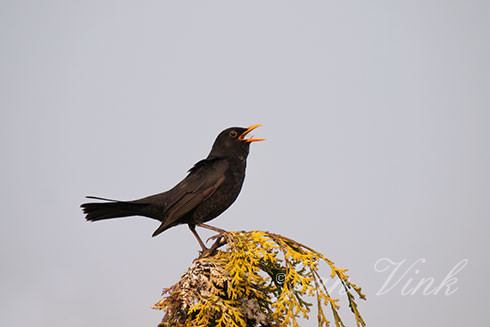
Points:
[(233, 134)]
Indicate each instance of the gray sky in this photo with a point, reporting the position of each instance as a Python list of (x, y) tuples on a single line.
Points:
[(376, 115)]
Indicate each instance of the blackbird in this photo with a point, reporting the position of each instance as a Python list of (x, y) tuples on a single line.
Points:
[(210, 187)]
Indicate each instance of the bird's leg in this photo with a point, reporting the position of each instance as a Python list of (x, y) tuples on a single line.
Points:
[(216, 229), (193, 230)]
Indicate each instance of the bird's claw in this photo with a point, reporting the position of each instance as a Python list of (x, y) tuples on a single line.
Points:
[(218, 242), (216, 237)]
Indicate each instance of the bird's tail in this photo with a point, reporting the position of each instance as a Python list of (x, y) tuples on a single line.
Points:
[(111, 209)]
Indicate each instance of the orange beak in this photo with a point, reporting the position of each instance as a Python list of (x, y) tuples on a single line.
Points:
[(251, 139)]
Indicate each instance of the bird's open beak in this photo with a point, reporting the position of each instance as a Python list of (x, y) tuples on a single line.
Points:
[(251, 139)]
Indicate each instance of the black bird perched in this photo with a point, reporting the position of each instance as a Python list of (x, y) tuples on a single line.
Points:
[(211, 186)]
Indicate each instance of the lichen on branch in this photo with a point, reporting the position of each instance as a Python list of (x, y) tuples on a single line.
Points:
[(256, 279)]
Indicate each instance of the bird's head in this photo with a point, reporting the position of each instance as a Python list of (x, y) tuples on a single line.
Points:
[(233, 142)]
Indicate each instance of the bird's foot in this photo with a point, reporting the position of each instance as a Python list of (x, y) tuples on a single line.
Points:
[(215, 237), (219, 242)]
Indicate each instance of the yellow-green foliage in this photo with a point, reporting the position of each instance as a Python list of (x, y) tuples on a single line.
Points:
[(258, 279)]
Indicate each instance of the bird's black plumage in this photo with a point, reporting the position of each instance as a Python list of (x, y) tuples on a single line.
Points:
[(211, 186)]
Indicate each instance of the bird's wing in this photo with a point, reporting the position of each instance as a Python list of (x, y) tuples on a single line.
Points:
[(198, 186)]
